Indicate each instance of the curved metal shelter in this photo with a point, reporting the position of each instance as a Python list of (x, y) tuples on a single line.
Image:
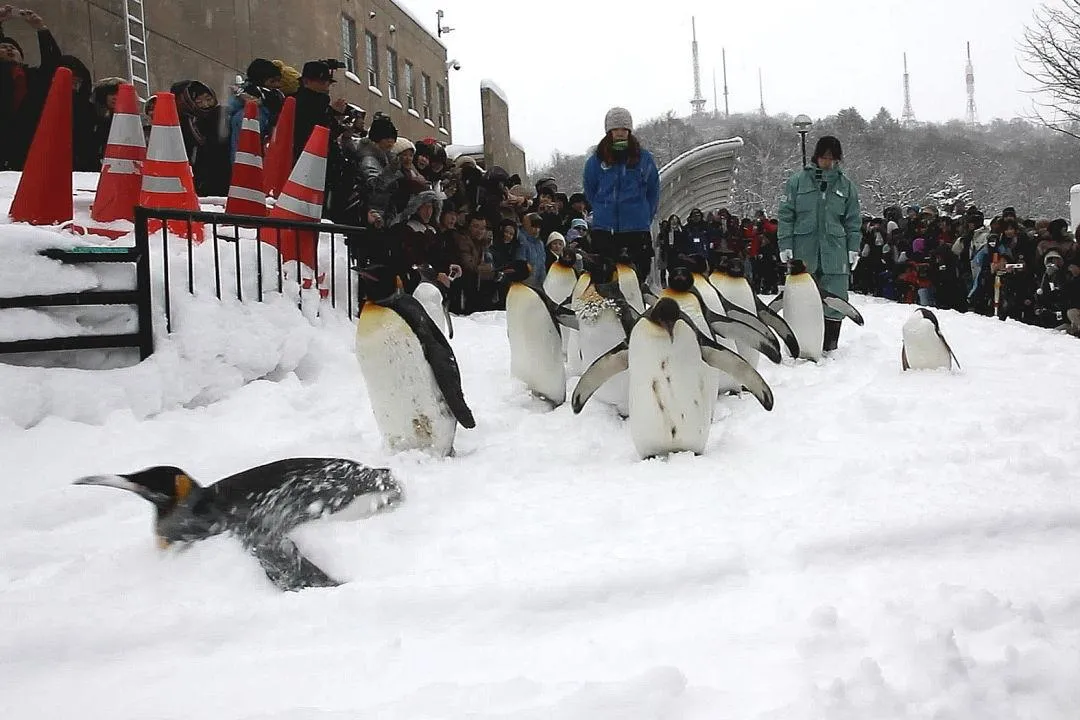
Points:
[(700, 178)]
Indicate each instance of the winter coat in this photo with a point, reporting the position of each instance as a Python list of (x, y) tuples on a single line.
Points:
[(820, 227), (205, 141), (532, 251), (85, 157), (22, 96), (624, 197), (269, 102)]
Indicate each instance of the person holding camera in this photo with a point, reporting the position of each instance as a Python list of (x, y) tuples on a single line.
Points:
[(314, 106), (820, 223), (23, 88), (262, 85)]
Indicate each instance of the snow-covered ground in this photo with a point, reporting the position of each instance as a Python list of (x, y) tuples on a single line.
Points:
[(881, 545)]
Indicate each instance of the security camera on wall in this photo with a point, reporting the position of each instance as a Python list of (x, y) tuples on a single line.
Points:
[(371, 14), (393, 29), (454, 65)]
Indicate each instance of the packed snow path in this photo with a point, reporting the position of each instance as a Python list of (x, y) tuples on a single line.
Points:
[(882, 545)]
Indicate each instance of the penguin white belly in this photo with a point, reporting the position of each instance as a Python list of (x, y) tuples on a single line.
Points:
[(559, 283), (670, 398), (923, 348), (737, 291), (630, 287), (408, 405), (535, 344), (599, 331), (708, 295), (691, 306), (804, 314), (432, 300)]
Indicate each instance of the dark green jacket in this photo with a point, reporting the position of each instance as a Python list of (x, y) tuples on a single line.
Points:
[(820, 228)]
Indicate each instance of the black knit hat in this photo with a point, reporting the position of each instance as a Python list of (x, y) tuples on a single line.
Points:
[(11, 41), (261, 70), (382, 128)]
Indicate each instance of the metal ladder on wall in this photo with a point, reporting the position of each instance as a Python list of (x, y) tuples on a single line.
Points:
[(138, 67)]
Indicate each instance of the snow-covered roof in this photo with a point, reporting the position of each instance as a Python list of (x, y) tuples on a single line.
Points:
[(419, 24), (490, 85), (456, 151)]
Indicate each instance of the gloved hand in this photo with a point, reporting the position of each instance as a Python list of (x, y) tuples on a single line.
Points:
[(785, 256), (853, 258)]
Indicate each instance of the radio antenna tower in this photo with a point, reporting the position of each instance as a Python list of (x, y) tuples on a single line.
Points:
[(723, 55), (761, 92), (698, 103), (969, 75), (908, 116)]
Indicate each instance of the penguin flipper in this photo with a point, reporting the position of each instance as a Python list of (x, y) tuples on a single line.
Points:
[(778, 325), (648, 295), (841, 305), (734, 365), (449, 323), (561, 314), (439, 355), (903, 359), (605, 367), (745, 316), (285, 566), (777, 302), (739, 331)]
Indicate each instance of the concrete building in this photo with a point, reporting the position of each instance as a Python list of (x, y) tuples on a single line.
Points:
[(394, 65)]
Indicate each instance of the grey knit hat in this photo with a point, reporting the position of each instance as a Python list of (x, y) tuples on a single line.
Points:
[(618, 117)]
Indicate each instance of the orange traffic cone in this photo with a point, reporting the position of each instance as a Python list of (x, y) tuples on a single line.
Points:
[(279, 152), (246, 195), (302, 199), (44, 195), (121, 170), (167, 180)]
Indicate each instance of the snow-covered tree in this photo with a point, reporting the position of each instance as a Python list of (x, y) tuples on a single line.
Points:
[(953, 197)]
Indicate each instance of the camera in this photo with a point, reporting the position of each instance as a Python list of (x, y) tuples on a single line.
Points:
[(334, 64)]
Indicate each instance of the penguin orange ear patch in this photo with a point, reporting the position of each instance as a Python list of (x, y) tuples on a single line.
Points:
[(182, 485)]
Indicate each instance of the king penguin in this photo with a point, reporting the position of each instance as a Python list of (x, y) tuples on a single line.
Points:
[(803, 303), (533, 323), (604, 320), (629, 282), (670, 401), (729, 279), (260, 506), (409, 368), (431, 297), (559, 286), (925, 348)]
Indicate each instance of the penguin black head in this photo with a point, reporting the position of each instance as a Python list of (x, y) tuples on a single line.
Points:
[(163, 485), (681, 279), (568, 258), (422, 273), (695, 263), (515, 271), (797, 267), (732, 266), (601, 269), (665, 313), (379, 282), (929, 315)]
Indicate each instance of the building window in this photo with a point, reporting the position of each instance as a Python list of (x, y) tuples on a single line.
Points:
[(391, 73), (425, 94), (410, 92), (348, 42), (372, 59), (441, 93)]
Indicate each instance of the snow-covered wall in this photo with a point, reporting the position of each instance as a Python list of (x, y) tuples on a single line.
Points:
[(499, 147)]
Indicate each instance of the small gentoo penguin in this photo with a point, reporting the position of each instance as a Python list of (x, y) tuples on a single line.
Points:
[(410, 369), (925, 348), (260, 506), (533, 326), (667, 359), (431, 296), (803, 302)]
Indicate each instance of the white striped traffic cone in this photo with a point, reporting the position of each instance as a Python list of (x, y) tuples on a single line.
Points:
[(246, 195), (120, 182), (167, 180), (302, 199)]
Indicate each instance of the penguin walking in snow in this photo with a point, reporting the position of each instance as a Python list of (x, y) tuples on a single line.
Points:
[(802, 301), (260, 506), (431, 297), (559, 285), (729, 279), (629, 283), (409, 368), (925, 347), (670, 401), (533, 326)]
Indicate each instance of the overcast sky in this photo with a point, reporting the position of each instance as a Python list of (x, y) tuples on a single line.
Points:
[(563, 63)]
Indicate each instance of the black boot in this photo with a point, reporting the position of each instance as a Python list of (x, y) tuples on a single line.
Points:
[(832, 334)]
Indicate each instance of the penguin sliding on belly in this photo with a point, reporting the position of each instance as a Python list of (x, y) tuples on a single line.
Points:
[(925, 348), (533, 326), (260, 506), (409, 368), (803, 303), (670, 400), (431, 297)]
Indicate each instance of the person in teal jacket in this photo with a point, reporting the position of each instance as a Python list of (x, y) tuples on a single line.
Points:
[(820, 223)]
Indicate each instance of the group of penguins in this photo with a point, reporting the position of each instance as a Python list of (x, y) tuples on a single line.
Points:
[(661, 360)]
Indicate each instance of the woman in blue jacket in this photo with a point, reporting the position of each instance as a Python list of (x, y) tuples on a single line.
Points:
[(623, 186)]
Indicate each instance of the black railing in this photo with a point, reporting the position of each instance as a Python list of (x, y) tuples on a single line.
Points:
[(142, 338), (214, 223)]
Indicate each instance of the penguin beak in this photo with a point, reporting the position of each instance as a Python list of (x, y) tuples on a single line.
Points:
[(121, 483)]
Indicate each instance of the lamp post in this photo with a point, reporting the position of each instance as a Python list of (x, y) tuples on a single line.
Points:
[(440, 28), (802, 124)]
